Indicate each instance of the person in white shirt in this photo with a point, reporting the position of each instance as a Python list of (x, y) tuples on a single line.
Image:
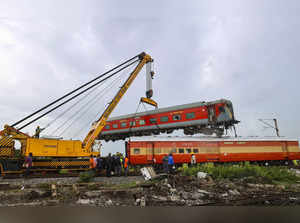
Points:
[(193, 160)]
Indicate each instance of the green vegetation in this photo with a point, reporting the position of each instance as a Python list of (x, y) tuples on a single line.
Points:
[(63, 171), (252, 173), (87, 176)]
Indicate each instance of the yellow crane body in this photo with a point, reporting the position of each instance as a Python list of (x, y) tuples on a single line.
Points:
[(58, 153), (55, 148)]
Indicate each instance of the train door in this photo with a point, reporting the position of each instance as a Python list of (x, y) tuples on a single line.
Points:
[(150, 151), (285, 150), (211, 114), (127, 149), (210, 151)]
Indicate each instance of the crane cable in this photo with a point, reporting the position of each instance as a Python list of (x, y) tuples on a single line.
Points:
[(96, 115), (156, 121), (6, 139), (98, 96), (68, 94), (76, 96), (70, 108), (81, 108)]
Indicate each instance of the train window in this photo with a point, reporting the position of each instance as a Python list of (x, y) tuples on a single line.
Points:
[(188, 150), (142, 122), (181, 150), (132, 123), (136, 151), (115, 126), (123, 124), (190, 115), (176, 117), (241, 142), (164, 119), (173, 150), (196, 150), (152, 120), (221, 109), (107, 127)]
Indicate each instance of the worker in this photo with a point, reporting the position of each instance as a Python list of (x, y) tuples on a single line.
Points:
[(95, 162), (99, 163), (122, 159), (126, 166), (171, 163), (193, 160), (118, 165), (165, 164), (108, 165), (38, 130), (113, 164), (92, 162), (154, 163), (28, 164)]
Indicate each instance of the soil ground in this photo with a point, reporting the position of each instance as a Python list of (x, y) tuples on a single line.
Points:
[(166, 190)]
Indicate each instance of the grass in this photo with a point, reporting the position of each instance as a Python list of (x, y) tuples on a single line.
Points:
[(63, 171), (254, 173), (87, 176)]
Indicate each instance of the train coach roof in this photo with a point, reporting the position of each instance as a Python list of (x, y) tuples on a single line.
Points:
[(206, 138), (167, 109)]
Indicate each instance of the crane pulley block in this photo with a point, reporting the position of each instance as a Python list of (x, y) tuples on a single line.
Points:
[(149, 101)]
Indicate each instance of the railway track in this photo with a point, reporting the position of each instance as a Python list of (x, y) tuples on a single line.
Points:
[(76, 173), (56, 175)]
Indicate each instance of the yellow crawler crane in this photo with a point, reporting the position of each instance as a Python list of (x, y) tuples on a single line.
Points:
[(53, 154)]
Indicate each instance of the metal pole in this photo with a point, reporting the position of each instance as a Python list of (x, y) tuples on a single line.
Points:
[(276, 126)]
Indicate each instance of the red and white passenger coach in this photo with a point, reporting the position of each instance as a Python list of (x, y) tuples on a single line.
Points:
[(199, 117), (144, 150)]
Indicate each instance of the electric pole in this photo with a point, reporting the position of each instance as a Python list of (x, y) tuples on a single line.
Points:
[(271, 126), (276, 127)]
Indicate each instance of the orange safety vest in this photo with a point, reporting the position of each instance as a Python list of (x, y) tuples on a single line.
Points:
[(126, 163), (92, 163)]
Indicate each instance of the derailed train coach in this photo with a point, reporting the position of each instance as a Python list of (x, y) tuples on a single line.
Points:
[(200, 117), (150, 150)]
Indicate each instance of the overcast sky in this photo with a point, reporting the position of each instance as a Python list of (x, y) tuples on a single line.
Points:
[(243, 51)]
